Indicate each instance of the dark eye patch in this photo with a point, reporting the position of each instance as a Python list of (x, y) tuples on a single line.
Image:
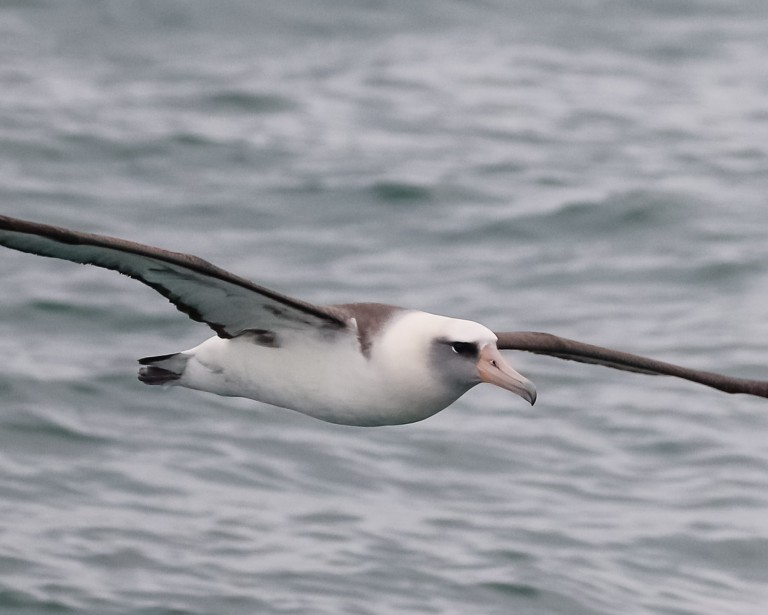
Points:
[(464, 349)]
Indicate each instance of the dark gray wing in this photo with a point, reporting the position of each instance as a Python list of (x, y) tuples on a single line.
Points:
[(227, 303), (563, 348)]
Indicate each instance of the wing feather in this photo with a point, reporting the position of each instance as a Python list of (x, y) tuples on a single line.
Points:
[(226, 302), (564, 348)]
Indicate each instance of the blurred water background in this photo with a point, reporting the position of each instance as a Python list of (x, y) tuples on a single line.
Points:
[(596, 168)]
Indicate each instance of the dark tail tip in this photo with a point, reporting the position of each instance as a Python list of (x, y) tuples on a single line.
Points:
[(162, 369), (158, 359), (157, 375)]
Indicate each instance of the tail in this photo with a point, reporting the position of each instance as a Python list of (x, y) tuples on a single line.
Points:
[(163, 369)]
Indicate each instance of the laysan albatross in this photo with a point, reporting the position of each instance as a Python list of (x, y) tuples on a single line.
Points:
[(362, 364)]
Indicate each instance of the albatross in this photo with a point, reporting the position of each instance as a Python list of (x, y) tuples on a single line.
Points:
[(365, 364)]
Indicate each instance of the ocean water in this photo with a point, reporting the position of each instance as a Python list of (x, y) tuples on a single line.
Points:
[(597, 169)]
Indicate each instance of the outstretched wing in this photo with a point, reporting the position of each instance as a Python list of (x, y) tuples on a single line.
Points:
[(563, 348), (227, 303)]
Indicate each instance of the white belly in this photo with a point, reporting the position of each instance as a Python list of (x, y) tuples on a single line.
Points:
[(327, 378)]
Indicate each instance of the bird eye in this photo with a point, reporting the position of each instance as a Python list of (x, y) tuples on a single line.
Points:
[(464, 349)]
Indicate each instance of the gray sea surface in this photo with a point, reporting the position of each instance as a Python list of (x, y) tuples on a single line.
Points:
[(597, 169)]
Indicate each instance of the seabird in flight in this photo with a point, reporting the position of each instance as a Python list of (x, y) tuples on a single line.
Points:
[(355, 364)]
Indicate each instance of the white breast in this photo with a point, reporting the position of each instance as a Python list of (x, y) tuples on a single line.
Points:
[(326, 375)]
